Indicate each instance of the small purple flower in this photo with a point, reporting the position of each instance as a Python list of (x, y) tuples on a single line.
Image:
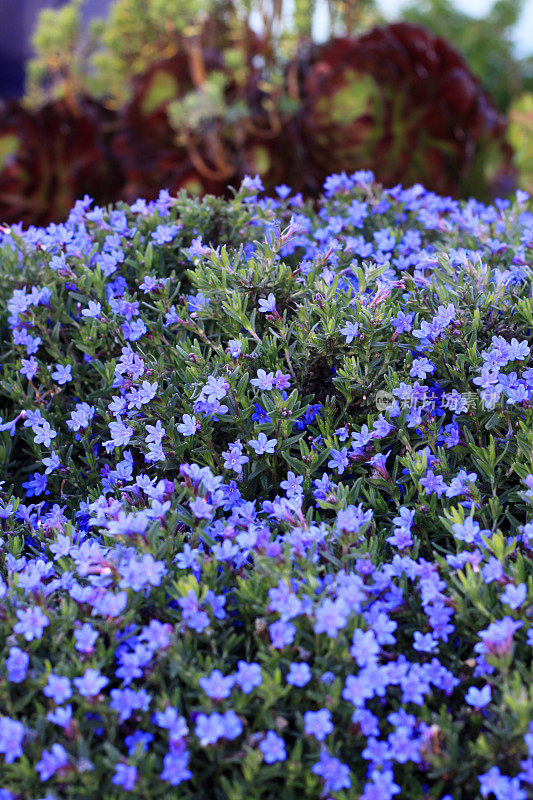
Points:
[(299, 674), (339, 459), (164, 234), (331, 617), (51, 761), (282, 634), (334, 773), (62, 374), (91, 682), (262, 445), (175, 768), (32, 623), (210, 728), (318, 724), (235, 348), (125, 776), (273, 748), (263, 381), (514, 596), (248, 676), (216, 686), (11, 737), (93, 310), (267, 306), (479, 698), (61, 715), (233, 726), (58, 688), (29, 367), (350, 331), (17, 664), (189, 426), (85, 638), (44, 434)]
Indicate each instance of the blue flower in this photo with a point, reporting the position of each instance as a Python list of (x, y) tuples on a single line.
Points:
[(268, 306), (62, 373), (318, 724), (58, 688), (262, 445), (273, 748), (334, 773), (479, 698), (299, 674)]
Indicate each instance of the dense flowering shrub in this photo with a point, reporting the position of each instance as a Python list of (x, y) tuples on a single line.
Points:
[(266, 506)]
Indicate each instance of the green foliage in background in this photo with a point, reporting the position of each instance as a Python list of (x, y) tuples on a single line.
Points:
[(485, 42), (138, 33)]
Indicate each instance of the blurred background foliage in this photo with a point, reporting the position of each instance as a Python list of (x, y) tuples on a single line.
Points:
[(196, 93), (487, 43)]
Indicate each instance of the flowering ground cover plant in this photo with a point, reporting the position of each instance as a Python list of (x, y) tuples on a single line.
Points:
[(266, 512)]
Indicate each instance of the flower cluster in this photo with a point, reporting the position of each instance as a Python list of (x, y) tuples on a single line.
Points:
[(225, 566)]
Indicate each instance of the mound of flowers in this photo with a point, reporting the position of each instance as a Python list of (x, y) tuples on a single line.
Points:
[(266, 505)]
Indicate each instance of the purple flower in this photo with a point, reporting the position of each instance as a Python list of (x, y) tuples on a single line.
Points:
[(125, 776), (263, 445), (210, 728), (514, 596), (234, 459), (189, 426), (248, 676), (61, 715), (93, 310), (233, 726), (421, 367), (80, 417), (331, 617), (260, 415), (139, 739), (164, 234), (51, 761), (339, 459), (263, 381), (85, 638), (299, 674), (497, 639), (120, 434), (268, 306), (32, 623), (334, 773), (197, 249), (29, 367), (282, 634), (381, 786), (17, 664), (350, 331), (252, 184), (467, 531), (235, 348), (364, 647), (58, 688), (216, 686), (44, 434), (91, 682), (175, 768), (11, 736), (51, 463), (318, 724), (214, 389), (62, 374), (273, 748), (479, 698)]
